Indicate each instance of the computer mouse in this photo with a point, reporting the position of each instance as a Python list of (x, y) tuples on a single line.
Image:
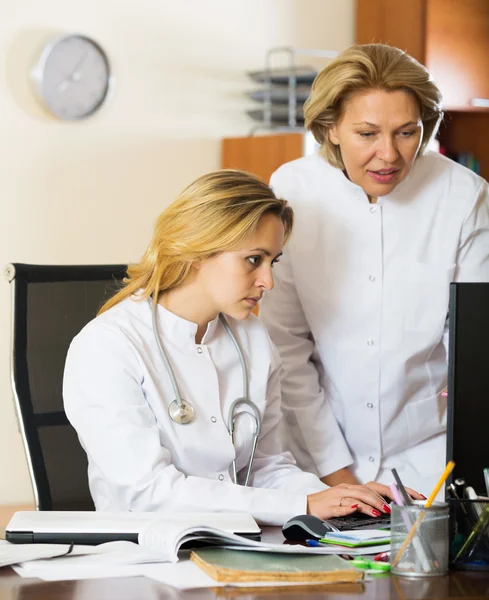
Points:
[(305, 527)]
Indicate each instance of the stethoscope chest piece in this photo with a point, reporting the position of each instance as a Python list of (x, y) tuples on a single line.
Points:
[(181, 413)]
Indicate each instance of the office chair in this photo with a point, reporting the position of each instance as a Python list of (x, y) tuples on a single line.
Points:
[(50, 305)]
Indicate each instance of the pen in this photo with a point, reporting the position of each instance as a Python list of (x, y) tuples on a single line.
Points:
[(405, 496), (475, 535), (429, 502), (317, 543), (453, 491), (486, 479), (459, 486)]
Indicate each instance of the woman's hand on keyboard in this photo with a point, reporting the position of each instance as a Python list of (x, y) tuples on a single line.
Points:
[(385, 491), (345, 499)]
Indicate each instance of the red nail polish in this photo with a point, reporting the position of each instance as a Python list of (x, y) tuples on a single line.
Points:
[(355, 506), (376, 513), (386, 508)]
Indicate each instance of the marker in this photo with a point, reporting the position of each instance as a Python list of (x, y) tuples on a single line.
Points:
[(382, 557), (375, 568)]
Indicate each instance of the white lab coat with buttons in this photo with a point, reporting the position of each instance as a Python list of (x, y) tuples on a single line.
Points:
[(358, 314), (117, 392)]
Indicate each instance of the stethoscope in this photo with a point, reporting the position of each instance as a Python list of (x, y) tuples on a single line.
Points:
[(182, 412)]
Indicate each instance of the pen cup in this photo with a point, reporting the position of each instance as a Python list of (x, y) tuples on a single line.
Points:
[(469, 534), (419, 540)]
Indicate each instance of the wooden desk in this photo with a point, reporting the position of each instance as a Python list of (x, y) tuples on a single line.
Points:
[(474, 586)]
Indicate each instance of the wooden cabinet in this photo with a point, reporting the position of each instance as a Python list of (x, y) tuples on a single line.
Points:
[(457, 50), (451, 37), (261, 155), (399, 23)]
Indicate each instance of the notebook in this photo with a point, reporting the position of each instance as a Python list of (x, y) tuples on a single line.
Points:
[(74, 527), (239, 566), (356, 539)]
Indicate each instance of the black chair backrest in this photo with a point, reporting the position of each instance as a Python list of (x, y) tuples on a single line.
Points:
[(50, 305)]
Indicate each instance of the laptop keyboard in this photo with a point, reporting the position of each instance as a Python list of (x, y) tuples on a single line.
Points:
[(360, 521)]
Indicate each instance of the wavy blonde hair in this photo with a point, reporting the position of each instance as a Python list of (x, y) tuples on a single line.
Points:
[(363, 68), (214, 214)]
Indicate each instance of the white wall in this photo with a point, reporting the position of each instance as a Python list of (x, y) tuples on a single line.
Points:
[(89, 192)]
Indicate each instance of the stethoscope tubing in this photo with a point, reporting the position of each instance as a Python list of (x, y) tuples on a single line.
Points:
[(184, 407)]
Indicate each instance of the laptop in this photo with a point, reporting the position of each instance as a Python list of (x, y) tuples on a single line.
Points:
[(90, 528)]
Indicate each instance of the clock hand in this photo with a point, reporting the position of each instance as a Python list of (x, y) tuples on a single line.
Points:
[(76, 74)]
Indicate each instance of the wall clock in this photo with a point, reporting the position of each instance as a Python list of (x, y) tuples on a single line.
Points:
[(72, 77)]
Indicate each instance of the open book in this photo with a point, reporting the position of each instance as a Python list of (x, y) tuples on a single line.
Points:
[(167, 539)]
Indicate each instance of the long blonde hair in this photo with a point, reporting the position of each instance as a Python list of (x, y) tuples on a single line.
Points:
[(215, 213), (362, 68)]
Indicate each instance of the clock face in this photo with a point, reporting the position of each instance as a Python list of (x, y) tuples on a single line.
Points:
[(72, 77)]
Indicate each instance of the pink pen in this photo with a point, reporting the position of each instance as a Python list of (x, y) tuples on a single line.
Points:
[(397, 494)]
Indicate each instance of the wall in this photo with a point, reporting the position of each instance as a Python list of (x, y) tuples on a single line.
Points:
[(88, 192)]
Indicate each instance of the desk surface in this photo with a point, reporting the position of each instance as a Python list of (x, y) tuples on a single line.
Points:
[(456, 585)]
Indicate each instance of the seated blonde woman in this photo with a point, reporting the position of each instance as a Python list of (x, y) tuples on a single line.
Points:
[(150, 383)]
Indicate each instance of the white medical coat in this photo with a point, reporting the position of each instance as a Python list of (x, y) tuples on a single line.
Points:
[(359, 310), (117, 392)]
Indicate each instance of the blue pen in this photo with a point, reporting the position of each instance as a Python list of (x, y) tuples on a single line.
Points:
[(313, 543)]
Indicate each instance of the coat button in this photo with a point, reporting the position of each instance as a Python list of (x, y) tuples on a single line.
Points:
[(199, 350), (372, 209), (370, 405), (371, 459), (370, 342), (213, 419), (221, 477), (372, 278)]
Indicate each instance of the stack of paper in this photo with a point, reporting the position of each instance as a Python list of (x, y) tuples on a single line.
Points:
[(358, 538), (55, 562)]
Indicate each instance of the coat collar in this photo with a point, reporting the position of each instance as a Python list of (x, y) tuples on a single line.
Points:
[(176, 328)]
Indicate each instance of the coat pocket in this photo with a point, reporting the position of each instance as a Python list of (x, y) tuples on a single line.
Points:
[(428, 290), (426, 418)]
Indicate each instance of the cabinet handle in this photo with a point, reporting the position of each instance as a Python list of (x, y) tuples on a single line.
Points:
[(481, 102)]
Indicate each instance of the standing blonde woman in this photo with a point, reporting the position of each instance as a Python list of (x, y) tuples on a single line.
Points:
[(359, 309), (151, 383)]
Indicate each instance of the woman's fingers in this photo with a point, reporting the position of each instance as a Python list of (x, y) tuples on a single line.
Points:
[(336, 511), (385, 491), (345, 499), (361, 507), (414, 494), (367, 496), (381, 489)]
